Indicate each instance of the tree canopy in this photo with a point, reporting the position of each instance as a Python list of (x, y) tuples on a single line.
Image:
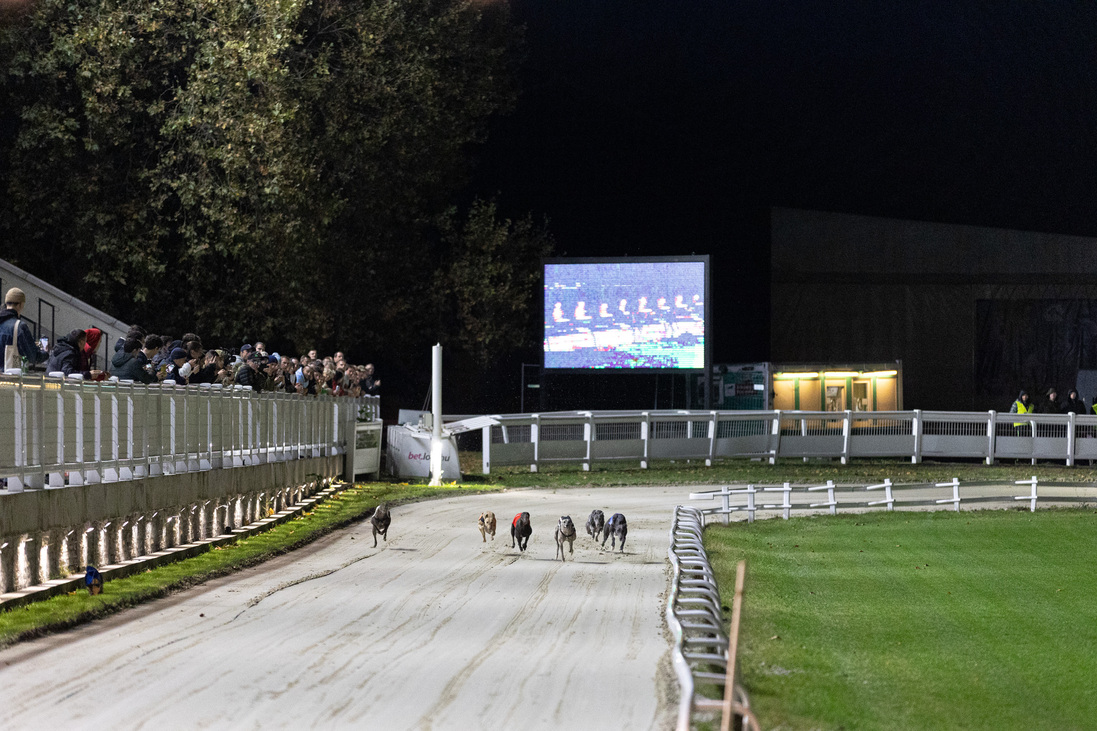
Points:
[(277, 168)]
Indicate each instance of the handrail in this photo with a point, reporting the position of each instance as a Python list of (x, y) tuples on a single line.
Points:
[(68, 432), (590, 436), (695, 621)]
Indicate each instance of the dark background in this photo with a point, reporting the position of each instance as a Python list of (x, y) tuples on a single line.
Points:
[(652, 128)]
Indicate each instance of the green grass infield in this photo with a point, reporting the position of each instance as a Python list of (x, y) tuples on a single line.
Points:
[(342, 509), (917, 620)]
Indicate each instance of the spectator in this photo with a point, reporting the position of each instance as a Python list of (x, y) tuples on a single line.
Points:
[(67, 354), (209, 367), (135, 331), (1073, 403), (1051, 405), (130, 363), (289, 379), (370, 385), (164, 355), (176, 360), (1023, 405), (152, 345), (17, 345), (248, 373), (89, 361)]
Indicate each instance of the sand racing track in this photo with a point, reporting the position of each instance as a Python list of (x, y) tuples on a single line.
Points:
[(433, 630)]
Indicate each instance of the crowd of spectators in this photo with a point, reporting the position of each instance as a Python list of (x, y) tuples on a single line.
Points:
[(144, 357)]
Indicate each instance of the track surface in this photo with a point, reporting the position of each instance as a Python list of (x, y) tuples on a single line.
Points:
[(432, 630)]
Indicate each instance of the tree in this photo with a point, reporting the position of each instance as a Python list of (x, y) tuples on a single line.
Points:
[(494, 266), (256, 166)]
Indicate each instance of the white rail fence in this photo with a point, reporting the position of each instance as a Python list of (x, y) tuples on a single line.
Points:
[(700, 653), (786, 498), (589, 436), (61, 433)]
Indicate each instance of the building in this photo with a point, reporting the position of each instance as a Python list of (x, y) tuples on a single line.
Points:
[(51, 313), (974, 314)]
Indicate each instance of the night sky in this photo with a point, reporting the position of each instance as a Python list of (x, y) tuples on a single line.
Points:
[(671, 127)]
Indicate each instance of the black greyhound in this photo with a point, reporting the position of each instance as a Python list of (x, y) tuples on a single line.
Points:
[(520, 531), (618, 528)]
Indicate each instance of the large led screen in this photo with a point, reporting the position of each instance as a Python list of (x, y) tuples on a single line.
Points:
[(625, 314)]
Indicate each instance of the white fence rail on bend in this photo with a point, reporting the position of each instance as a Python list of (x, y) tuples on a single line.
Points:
[(59, 433), (831, 497), (590, 436), (695, 620)]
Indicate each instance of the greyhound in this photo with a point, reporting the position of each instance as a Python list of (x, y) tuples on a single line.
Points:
[(595, 523), (520, 531), (380, 521), (565, 531), (618, 528), (487, 525)]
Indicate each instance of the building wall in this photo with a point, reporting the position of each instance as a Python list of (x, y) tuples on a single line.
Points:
[(857, 288)]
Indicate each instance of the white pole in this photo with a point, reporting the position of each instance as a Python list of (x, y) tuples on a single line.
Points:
[(436, 412)]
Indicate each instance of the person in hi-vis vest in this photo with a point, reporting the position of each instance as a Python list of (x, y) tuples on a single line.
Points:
[(1023, 405)]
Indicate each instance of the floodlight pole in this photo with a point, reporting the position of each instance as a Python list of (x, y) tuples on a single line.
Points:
[(436, 414)]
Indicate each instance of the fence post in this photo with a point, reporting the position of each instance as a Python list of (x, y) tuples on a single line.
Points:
[(847, 429), (57, 479), (750, 503), (76, 476), (786, 502), (111, 474), (775, 437), (992, 430), (588, 437), (486, 449), (1070, 439), (711, 439), (645, 437), (535, 439), (803, 430), (916, 425)]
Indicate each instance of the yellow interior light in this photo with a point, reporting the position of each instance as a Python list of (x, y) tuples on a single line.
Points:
[(794, 376), (842, 374), (881, 374)]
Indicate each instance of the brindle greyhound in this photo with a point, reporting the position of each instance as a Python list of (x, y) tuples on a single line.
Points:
[(618, 528), (595, 523), (520, 531), (380, 520), (565, 531)]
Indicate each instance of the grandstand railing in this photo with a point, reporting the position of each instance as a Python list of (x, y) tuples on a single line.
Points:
[(63, 432), (590, 436)]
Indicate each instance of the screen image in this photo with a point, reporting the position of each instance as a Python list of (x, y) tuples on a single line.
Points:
[(625, 315)]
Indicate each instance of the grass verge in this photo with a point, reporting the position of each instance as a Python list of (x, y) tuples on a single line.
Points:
[(347, 507), (912, 620)]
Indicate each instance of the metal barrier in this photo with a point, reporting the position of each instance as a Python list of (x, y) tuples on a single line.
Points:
[(751, 499), (589, 436), (700, 652), (60, 433)]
